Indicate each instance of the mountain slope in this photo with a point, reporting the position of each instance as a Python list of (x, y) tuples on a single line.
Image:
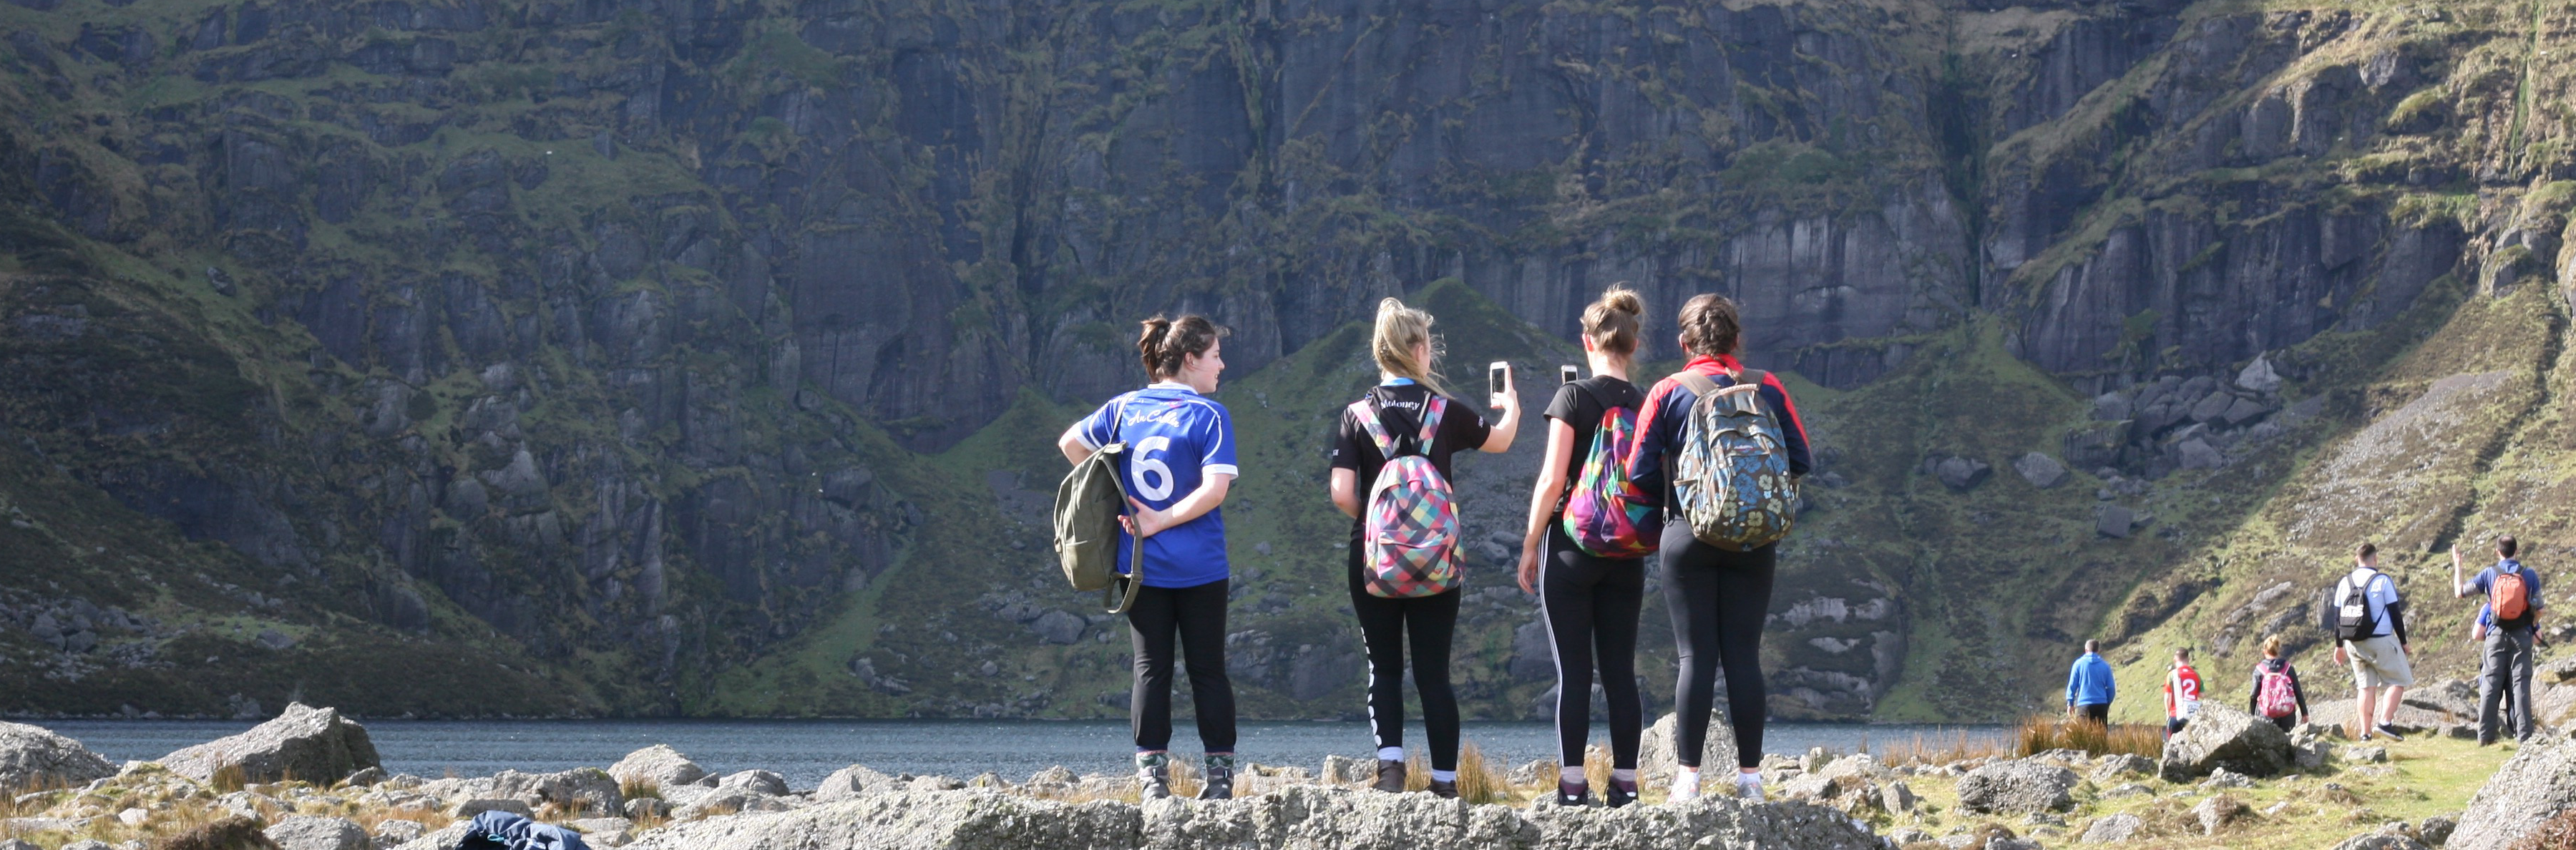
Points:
[(704, 360)]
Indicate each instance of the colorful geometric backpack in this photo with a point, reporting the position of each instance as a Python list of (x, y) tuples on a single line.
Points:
[(1409, 530), (1600, 516), (1732, 476)]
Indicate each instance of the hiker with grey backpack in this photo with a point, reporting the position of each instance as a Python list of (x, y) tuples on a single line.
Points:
[(1719, 448), (1151, 468)]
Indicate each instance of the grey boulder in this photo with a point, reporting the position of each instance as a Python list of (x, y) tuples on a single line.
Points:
[(316, 833), (2223, 736), (853, 781), (657, 766), (2382, 839), (32, 756), (1656, 760), (310, 744), (2040, 470), (2114, 521), (2259, 376), (1060, 627), (2112, 829), (2017, 787), (2536, 784), (588, 791), (1962, 474)]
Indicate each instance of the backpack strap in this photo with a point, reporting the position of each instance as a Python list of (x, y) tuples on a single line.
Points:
[(1432, 408), (1698, 384), (1367, 414)]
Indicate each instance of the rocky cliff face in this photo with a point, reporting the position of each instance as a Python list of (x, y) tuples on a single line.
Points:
[(639, 343)]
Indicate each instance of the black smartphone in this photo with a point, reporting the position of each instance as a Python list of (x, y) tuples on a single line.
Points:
[(1567, 374), (1495, 373)]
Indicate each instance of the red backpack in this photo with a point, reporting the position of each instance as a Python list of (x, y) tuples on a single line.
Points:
[(2511, 595)]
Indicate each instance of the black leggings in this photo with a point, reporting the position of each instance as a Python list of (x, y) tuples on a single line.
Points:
[(1719, 600), (1384, 622), (1197, 616), (1591, 604)]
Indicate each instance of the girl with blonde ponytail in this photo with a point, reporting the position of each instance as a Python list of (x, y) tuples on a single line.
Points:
[(1407, 392), (1589, 603)]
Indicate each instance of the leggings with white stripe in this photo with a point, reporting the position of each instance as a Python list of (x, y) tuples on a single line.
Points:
[(1590, 605), (1719, 600), (1384, 624)]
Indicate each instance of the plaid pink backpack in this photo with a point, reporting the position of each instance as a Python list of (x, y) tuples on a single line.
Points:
[(1410, 524)]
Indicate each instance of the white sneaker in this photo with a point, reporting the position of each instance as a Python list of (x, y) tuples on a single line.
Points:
[(1684, 790), (1748, 786)]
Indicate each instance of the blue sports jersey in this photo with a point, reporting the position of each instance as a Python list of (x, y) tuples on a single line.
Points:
[(1175, 438)]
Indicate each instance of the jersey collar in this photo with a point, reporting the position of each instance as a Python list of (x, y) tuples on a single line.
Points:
[(1398, 381), (1712, 365), (1172, 385)]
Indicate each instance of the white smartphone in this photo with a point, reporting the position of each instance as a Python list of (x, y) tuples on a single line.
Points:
[(1496, 374)]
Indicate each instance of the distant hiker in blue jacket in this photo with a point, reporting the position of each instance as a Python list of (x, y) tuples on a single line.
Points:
[(2089, 686)]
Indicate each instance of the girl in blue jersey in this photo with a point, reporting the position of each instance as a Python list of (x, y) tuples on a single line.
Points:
[(1177, 467), (1404, 350)]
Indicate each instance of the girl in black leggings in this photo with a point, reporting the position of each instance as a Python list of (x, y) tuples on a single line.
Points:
[(1589, 603), (1718, 598), (1177, 466), (1404, 349)]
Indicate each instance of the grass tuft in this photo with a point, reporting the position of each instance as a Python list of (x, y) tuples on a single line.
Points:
[(227, 779), (2040, 733)]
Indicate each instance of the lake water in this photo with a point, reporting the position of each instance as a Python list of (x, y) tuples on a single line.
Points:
[(805, 751)]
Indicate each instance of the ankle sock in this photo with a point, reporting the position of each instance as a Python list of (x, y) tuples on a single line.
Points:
[(1390, 754), (1444, 776), (1571, 774), (1624, 774), (1686, 780)]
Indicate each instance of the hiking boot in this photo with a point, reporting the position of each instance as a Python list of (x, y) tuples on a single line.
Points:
[(1621, 793), (1220, 779), (1153, 776), (1444, 790), (1573, 794), (2391, 734), (1390, 776)]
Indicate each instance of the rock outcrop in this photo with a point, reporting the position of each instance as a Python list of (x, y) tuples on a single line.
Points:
[(311, 744), (1294, 818), (34, 757), (2225, 737), (2538, 783)]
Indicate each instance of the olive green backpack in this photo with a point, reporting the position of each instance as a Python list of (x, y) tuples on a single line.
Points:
[(1087, 508)]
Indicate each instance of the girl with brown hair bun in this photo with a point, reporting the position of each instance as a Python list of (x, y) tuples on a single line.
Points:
[(1719, 599), (1588, 602), (1178, 465), (1407, 395)]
